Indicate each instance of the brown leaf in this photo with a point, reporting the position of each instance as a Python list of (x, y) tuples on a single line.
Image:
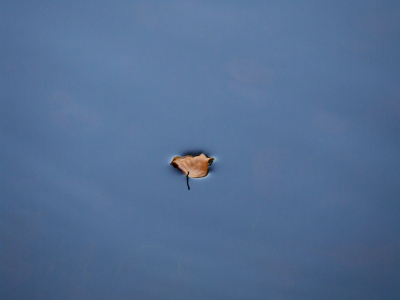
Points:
[(193, 166)]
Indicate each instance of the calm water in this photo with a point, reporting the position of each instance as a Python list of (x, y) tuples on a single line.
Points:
[(298, 103)]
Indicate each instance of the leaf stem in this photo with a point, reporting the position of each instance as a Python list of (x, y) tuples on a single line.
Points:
[(187, 180)]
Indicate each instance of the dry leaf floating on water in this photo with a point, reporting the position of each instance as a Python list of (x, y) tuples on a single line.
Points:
[(193, 166)]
